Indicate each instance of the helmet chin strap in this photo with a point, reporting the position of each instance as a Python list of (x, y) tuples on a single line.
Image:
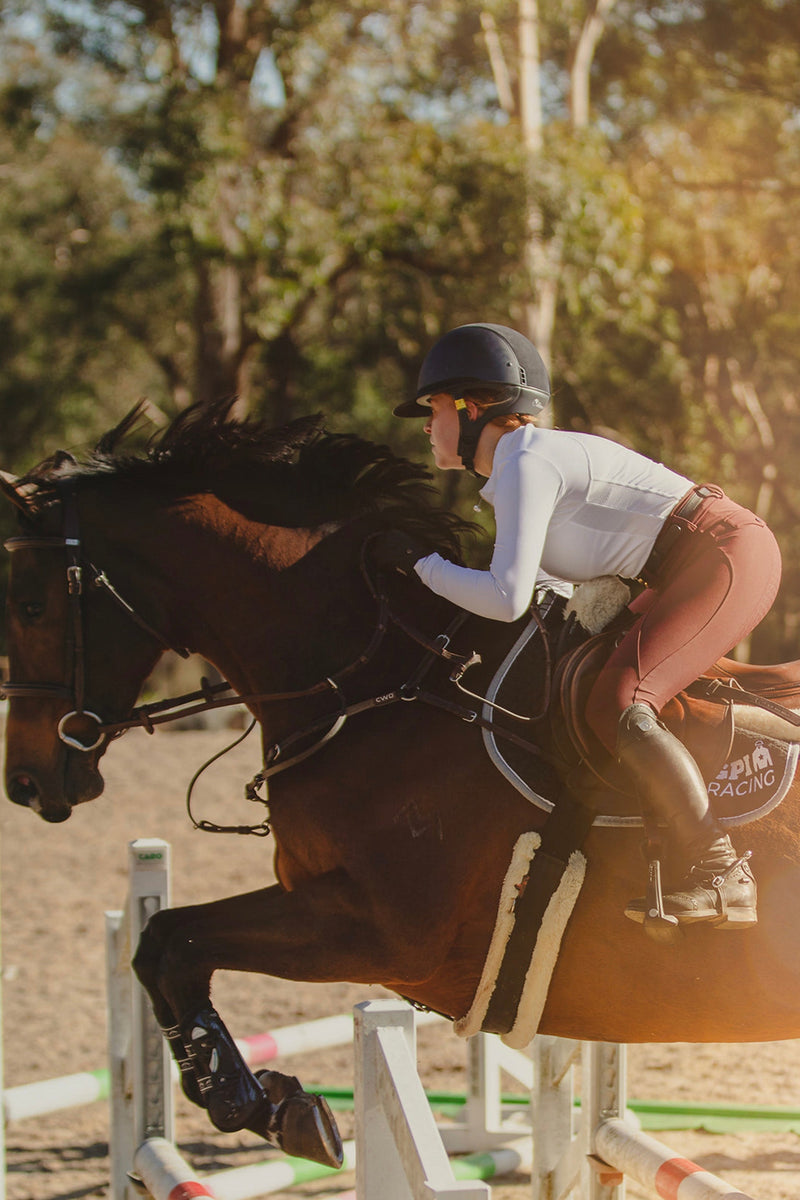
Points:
[(469, 434)]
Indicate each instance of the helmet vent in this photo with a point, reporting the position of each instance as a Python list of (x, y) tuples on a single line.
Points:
[(523, 378)]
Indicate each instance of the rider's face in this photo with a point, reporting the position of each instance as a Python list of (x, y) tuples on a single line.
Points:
[(443, 429)]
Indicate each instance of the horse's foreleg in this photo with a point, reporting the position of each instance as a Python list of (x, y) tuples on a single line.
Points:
[(146, 965), (209, 1062), (269, 1104), (321, 931), (327, 929)]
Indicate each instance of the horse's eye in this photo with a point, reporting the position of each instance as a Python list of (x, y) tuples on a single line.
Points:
[(31, 610)]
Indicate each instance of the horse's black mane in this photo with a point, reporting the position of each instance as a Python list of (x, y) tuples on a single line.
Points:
[(298, 474)]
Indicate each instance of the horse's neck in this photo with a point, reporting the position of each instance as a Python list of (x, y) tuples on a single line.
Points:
[(273, 608)]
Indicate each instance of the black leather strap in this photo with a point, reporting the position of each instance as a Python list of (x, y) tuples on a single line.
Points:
[(673, 530)]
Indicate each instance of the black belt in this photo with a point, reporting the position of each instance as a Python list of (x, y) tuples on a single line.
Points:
[(672, 531)]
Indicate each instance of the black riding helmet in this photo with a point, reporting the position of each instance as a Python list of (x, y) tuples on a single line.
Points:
[(479, 355)]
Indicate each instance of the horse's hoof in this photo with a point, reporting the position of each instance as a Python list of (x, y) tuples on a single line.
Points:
[(301, 1123), (308, 1130)]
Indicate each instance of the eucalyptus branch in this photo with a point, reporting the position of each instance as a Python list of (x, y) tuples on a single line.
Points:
[(590, 34), (497, 61), (775, 187), (745, 394)]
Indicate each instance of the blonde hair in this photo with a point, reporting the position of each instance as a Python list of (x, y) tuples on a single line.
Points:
[(485, 397)]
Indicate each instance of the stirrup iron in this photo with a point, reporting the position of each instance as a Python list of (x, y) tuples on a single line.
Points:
[(658, 924)]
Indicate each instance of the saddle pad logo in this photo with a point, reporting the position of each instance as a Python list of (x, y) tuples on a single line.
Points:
[(755, 778), (754, 772)]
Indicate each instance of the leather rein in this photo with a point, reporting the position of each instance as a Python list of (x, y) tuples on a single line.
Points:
[(80, 573)]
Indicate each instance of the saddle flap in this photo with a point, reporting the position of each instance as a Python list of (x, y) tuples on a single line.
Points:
[(705, 728), (747, 768)]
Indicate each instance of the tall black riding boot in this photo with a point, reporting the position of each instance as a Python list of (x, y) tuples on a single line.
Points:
[(718, 885)]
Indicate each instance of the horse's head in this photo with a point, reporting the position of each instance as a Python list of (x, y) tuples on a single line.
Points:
[(237, 541), (70, 669)]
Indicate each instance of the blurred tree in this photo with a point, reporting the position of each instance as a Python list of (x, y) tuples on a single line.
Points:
[(704, 104), (303, 188), (291, 201)]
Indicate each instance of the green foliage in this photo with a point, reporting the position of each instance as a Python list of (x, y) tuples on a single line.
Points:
[(291, 201)]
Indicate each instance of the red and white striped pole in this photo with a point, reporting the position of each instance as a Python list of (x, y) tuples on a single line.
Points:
[(166, 1175), (656, 1167)]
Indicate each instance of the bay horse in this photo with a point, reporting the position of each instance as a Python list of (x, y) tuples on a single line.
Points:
[(392, 828)]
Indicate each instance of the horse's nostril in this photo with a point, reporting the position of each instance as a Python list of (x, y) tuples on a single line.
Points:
[(22, 790)]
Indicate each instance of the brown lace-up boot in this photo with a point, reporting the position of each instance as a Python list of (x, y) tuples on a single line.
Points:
[(718, 885)]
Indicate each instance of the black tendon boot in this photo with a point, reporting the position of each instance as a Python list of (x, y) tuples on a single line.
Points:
[(718, 885), (269, 1104)]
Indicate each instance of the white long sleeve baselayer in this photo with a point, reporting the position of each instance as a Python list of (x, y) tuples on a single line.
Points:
[(568, 505)]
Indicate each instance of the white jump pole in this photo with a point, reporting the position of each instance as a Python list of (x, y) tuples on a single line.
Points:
[(593, 1151), (166, 1174), (52, 1095), (85, 1087), (140, 1063)]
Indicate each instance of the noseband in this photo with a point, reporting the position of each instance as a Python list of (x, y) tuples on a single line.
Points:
[(77, 573)]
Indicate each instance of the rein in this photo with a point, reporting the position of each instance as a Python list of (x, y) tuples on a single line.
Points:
[(436, 648), (213, 696), (332, 723)]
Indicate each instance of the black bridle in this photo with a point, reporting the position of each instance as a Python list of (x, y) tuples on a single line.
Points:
[(79, 573)]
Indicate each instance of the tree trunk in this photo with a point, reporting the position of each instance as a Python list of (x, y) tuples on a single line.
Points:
[(590, 34), (543, 256), (542, 291)]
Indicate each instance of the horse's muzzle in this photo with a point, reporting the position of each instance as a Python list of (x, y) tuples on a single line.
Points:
[(23, 789), (53, 796)]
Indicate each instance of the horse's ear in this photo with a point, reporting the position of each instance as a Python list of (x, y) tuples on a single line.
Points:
[(16, 494)]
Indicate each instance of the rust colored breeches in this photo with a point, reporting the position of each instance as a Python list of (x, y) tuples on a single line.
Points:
[(715, 584)]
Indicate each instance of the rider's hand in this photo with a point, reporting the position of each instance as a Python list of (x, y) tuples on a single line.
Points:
[(395, 550)]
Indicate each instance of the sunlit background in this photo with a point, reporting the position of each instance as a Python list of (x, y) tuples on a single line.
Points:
[(290, 201)]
